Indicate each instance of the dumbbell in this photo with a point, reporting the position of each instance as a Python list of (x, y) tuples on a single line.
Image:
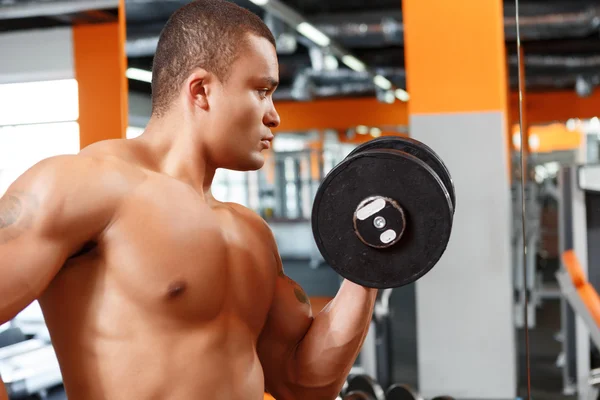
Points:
[(382, 217), (400, 391), (365, 384), (357, 395), (443, 398)]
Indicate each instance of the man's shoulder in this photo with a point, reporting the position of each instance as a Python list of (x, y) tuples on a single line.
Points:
[(259, 228), (77, 166), (251, 217), (78, 177), (246, 213)]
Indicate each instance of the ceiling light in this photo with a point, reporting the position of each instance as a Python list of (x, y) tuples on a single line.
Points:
[(313, 34), (260, 2), (382, 82), (362, 130), (402, 95), (139, 75), (376, 132), (389, 97), (354, 63)]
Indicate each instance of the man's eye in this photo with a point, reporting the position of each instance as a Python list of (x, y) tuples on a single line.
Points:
[(263, 92)]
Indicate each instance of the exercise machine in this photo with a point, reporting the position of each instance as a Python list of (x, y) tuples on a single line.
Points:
[(579, 233)]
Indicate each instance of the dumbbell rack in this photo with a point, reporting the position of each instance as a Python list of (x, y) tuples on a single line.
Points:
[(365, 387)]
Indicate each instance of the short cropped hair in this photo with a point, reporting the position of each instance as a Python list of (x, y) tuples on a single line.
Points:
[(209, 34)]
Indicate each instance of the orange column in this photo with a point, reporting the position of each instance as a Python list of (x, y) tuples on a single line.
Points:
[(100, 64), (454, 56)]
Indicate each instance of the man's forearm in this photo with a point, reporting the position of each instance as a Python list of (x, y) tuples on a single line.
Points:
[(327, 352)]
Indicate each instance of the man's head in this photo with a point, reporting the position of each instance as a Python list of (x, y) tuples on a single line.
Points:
[(219, 60)]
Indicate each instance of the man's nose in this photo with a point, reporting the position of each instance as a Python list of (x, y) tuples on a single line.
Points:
[(271, 118)]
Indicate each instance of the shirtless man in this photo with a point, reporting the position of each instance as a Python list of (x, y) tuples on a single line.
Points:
[(151, 288)]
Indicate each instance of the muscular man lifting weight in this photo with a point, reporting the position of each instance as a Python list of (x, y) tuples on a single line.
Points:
[(151, 288)]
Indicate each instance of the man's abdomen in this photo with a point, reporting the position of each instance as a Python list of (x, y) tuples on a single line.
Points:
[(165, 365)]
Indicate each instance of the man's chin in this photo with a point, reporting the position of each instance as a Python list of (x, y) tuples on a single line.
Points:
[(254, 163)]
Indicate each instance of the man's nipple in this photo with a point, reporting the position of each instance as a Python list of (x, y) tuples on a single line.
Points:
[(176, 289)]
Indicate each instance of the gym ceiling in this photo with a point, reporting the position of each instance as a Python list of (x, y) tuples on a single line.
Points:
[(561, 39)]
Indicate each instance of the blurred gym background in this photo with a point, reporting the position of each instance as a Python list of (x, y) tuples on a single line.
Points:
[(74, 72)]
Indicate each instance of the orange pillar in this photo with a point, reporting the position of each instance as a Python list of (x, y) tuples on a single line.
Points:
[(100, 64), (457, 79)]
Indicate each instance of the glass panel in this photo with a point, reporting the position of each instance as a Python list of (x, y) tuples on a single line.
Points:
[(39, 102), (23, 146)]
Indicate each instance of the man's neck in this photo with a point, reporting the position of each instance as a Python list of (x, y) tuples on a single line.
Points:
[(175, 151)]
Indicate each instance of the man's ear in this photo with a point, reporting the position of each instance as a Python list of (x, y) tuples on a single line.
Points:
[(198, 86)]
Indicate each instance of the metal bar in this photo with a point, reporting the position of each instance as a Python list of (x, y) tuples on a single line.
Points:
[(565, 242), (580, 246), (570, 293)]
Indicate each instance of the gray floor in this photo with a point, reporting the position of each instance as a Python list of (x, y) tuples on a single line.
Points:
[(546, 377)]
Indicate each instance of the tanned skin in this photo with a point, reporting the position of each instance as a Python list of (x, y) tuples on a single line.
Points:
[(151, 288)]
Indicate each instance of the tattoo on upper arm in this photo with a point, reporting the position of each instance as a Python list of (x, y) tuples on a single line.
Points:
[(298, 291), (279, 267), (10, 209), (15, 215), (301, 296)]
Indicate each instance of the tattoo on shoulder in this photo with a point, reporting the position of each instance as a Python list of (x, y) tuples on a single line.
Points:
[(15, 215)]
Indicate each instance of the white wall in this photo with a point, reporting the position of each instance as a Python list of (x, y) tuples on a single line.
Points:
[(39, 103), (36, 55)]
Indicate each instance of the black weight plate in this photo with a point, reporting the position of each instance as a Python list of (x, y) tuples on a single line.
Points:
[(417, 149), (358, 395), (414, 186), (365, 384), (401, 392)]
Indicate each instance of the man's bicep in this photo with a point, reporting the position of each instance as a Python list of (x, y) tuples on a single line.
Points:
[(28, 260), (16, 215), (288, 321), (43, 220), (290, 313)]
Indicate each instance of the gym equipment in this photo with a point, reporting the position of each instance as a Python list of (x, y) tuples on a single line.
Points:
[(402, 392), (358, 395), (382, 217), (11, 336), (578, 235), (366, 384), (443, 398), (417, 149), (29, 368)]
